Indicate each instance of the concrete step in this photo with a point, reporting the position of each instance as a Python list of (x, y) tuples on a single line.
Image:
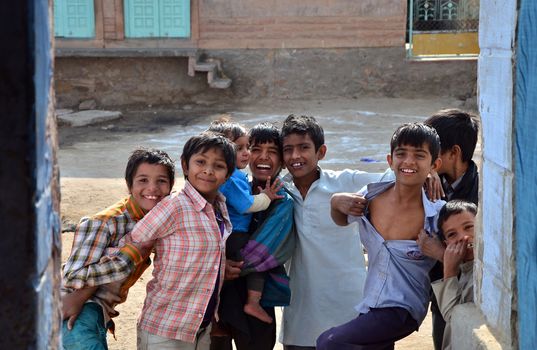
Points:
[(220, 83), (215, 77), (204, 66)]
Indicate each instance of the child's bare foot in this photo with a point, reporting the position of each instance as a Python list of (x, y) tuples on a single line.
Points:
[(257, 311)]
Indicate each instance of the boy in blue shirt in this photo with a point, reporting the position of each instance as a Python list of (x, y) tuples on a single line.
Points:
[(397, 286)]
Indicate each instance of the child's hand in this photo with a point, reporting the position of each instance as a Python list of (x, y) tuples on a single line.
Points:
[(271, 190), (453, 257), (233, 269), (72, 304), (433, 186), (348, 203), (431, 245)]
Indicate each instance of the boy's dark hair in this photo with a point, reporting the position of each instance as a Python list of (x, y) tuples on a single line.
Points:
[(456, 127), (304, 125), (208, 140), (416, 134), (451, 208), (265, 133), (228, 128), (150, 156)]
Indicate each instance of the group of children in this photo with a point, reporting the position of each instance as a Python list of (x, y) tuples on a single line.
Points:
[(220, 243)]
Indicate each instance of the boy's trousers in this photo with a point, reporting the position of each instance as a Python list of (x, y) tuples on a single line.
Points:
[(88, 331), (378, 329)]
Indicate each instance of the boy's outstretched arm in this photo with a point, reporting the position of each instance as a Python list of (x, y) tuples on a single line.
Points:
[(85, 266), (344, 204)]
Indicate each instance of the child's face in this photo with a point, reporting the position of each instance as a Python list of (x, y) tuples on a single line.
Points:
[(265, 161), (206, 171), (242, 145), (299, 155), (411, 165), (459, 227), (150, 184)]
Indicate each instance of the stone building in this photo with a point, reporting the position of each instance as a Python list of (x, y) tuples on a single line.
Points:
[(126, 52)]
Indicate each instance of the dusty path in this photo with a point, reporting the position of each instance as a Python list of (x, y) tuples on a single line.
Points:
[(92, 161)]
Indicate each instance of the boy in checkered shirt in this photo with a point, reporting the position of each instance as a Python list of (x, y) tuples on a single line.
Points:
[(91, 284)]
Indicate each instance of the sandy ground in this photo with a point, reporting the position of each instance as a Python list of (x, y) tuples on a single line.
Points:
[(92, 161)]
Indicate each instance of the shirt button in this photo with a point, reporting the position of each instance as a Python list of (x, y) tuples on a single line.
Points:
[(200, 315), (216, 267)]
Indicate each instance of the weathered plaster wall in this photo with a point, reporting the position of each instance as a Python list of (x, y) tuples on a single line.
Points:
[(263, 73), (495, 264)]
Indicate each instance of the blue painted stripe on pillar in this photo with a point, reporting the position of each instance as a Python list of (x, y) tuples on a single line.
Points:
[(526, 173)]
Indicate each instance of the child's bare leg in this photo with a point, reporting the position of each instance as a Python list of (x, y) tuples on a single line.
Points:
[(253, 308)]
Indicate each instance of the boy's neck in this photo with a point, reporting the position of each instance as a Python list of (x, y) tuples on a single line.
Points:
[(458, 170), (406, 194), (304, 183)]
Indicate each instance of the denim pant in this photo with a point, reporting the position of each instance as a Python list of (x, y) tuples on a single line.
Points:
[(377, 329), (88, 331)]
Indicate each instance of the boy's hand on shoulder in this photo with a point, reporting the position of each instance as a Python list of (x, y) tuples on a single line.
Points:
[(433, 186), (348, 203), (271, 190), (430, 245), (453, 257)]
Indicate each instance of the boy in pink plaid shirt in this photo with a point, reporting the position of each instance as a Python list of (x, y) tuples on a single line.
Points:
[(188, 231)]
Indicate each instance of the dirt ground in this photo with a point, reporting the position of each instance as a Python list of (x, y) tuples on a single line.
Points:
[(82, 196)]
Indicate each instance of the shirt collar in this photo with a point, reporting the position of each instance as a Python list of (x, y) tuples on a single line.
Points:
[(198, 200), (134, 209)]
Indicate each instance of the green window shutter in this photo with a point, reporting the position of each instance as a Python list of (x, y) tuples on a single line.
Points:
[(58, 18), (174, 18), (74, 18), (141, 18)]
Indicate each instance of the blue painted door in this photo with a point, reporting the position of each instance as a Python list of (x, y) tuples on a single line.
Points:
[(74, 18), (157, 18)]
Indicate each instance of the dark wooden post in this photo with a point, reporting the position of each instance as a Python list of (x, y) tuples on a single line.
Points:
[(29, 193)]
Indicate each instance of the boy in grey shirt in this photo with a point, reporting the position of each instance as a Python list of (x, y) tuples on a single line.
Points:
[(397, 286)]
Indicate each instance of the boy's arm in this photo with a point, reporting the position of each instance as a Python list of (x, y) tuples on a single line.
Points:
[(158, 223), (85, 266), (447, 290), (344, 204)]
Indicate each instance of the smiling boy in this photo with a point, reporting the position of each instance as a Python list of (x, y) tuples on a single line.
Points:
[(396, 290), (149, 176), (327, 269), (456, 222)]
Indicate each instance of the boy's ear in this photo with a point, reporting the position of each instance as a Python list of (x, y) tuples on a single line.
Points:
[(321, 153), (184, 166), (389, 159), (456, 151), (436, 164)]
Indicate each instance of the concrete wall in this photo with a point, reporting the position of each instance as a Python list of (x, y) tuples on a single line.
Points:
[(495, 275), (263, 73)]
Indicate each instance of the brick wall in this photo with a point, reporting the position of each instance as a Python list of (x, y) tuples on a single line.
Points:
[(279, 24), (301, 23)]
